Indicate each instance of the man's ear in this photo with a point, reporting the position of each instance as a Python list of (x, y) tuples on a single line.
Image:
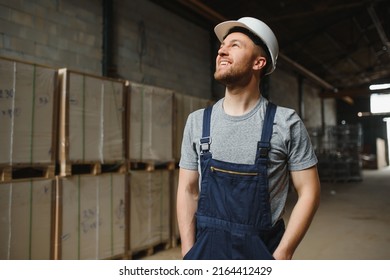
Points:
[(260, 63)]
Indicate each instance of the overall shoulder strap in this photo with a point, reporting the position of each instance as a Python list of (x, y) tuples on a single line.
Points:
[(264, 144), (205, 141)]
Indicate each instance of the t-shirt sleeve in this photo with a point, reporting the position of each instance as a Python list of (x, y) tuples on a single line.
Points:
[(189, 155), (301, 153)]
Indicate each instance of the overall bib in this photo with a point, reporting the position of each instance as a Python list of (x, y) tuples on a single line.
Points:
[(233, 219)]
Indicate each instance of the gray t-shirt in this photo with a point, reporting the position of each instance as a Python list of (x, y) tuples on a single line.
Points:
[(234, 139)]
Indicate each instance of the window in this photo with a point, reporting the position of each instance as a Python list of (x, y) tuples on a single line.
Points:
[(380, 103)]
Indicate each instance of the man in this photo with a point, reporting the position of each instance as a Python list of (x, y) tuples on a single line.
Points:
[(238, 158)]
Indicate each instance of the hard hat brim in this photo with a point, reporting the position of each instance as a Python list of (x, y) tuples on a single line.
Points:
[(223, 28)]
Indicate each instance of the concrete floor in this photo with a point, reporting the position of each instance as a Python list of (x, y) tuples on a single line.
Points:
[(352, 223)]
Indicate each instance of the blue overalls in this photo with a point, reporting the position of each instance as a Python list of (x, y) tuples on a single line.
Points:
[(233, 219)]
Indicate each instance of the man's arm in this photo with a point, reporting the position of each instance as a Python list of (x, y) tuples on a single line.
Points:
[(307, 185), (187, 203)]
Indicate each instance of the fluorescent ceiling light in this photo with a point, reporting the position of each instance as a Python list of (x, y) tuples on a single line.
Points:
[(379, 86)]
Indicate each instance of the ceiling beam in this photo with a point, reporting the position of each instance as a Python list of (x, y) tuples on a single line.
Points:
[(310, 75), (379, 28)]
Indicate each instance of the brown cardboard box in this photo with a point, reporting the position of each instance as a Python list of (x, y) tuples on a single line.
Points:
[(26, 220), (28, 113), (92, 118), (92, 216), (149, 209), (151, 117)]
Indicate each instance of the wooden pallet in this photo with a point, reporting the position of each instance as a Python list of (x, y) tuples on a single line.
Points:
[(92, 168), (151, 166), (150, 250), (10, 173)]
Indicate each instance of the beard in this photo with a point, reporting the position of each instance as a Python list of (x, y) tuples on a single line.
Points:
[(233, 76)]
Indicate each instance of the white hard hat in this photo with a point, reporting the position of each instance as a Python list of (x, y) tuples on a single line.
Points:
[(257, 27)]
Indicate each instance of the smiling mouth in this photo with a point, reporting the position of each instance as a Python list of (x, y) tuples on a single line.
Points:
[(223, 63)]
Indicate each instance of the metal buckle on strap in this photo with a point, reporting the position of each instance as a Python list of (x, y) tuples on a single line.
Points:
[(263, 147), (205, 144), (263, 152)]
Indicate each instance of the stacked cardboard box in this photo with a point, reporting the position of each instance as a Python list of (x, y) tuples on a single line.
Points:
[(28, 103), (150, 218), (150, 122), (91, 119), (66, 118), (26, 220), (91, 221)]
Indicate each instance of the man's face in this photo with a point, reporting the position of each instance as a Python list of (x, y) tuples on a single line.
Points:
[(235, 60)]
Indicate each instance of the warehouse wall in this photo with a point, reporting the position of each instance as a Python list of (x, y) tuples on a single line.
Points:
[(157, 47), (53, 33), (312, 108), (153, 46), (284, 91)]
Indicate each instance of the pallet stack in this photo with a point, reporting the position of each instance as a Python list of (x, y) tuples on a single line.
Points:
[(150, 147), (88, 164), (28, 112), (92, 113), (92, 182), (28, 106)]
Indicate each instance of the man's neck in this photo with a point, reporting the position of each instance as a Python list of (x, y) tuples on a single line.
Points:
[(238, 102)]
